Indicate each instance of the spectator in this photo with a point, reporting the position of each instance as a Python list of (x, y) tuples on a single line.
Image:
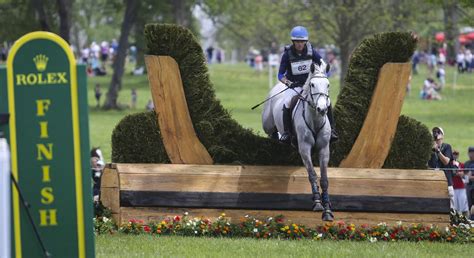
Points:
[(219, 56), (459, 180), (469, 60), (85, 53), (134, 98), (210, 52), (415, 60), (441, 75), (96, 68), (442, 157), (469, 165), (430, 90), (259, 62), (98, 94), (133, 54), (97, 165), (431, 61), (460, 61), (104, 51), (150, 106)]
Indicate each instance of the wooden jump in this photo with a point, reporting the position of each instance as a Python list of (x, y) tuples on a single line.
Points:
[(373, 144), (176, 127), (364, 194), (153, 191)]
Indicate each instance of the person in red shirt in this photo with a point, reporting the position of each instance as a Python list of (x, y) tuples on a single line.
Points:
[(459, 181)]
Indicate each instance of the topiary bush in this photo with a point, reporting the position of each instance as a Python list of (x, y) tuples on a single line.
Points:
[(225, 140), (354, 100), (137, 139)]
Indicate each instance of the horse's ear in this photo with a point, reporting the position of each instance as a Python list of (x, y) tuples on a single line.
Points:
[(312, 68), (328, 67)]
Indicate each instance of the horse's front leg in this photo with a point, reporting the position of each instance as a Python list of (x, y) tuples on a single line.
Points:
[(305, 152), (323, 166)]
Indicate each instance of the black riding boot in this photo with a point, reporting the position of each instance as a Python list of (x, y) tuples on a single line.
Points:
[(286, 136), (334, 136)]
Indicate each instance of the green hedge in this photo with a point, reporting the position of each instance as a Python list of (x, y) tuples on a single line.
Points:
[(412, 143), (225, 140), (136, 138)]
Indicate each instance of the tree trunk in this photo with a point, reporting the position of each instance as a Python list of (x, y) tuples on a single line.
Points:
[(64, 11), (345, 55), (450, 28), (131, 10), (140, 42), (39, 7), (182, 12)]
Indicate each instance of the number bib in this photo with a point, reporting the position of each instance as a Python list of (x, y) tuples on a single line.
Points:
[(301, 67)]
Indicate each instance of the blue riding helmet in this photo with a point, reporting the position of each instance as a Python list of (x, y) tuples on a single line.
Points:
[(299, 33)]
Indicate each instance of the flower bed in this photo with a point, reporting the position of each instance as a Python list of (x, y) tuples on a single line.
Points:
[(279, 228)]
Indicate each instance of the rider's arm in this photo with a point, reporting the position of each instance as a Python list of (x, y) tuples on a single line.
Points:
[(283, 68)]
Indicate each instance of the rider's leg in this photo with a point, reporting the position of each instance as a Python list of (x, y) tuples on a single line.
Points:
[(286, 136), (334, 136)]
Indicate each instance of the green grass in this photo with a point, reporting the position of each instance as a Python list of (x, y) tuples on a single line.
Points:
[(239, 88), (174, 246)]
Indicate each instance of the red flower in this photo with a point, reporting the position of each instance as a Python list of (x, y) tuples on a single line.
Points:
[(176, 219), (146, 228)]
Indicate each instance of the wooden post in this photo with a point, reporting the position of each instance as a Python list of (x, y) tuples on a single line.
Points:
[(110, 190), (373, 144), (179, 137)]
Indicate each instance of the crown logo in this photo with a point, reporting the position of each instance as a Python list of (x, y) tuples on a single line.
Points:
[(41, 61)]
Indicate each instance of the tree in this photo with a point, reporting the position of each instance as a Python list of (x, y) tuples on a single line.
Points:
[(42, 18), (130, 16), (347, 22), (64, 11)]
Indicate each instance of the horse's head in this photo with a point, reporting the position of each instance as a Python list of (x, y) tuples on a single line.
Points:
[(316, 88)]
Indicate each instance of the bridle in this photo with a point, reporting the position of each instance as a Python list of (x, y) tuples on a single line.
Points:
[(312, 105), (317, 94)]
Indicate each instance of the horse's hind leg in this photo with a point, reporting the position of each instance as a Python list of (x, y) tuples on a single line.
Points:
[(323, 164), (305, 152)]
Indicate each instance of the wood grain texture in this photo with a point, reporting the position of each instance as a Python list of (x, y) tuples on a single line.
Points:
[(373, 144), (272, 184), (307, 218), (110, 191), (180, 140), (280, 171), (281, 201)]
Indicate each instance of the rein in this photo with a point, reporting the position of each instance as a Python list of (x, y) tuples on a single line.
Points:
[(311, 104)]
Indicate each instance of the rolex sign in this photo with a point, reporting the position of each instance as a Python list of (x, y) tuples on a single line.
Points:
[(45, 93)]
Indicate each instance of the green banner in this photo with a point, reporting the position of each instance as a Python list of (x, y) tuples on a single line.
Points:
[(49, 140)]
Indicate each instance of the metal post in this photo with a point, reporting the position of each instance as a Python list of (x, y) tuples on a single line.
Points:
[(5, 200)]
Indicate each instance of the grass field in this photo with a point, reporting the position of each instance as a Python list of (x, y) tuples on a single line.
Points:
[(239, 87), (175, 246)]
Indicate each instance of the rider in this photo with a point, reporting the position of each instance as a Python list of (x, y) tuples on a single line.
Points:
[(294, 69)]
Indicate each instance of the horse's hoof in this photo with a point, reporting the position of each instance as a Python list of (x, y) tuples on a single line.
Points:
[(317, 206), (327, 216)]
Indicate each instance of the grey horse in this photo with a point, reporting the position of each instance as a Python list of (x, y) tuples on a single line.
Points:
[(312, 129)]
